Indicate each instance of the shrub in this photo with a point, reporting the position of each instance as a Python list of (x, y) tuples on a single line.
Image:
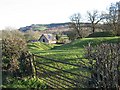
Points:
[(12, 47), (31, 35), (105, 65), (14, 51)]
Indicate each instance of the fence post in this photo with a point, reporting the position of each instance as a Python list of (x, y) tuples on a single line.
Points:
[(33, 66)]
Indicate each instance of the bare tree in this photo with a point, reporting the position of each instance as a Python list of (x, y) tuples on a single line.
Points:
[(94, 17), (113, 18), (75, 24)]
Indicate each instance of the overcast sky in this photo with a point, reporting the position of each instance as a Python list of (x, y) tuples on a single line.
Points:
[(18, 13)]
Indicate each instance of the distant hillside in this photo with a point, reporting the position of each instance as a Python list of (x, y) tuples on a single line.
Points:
[(41, 27)]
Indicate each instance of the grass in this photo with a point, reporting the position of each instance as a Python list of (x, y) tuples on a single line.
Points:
[(40, 46), (26, 83), (68, 53), (102, 34), (41, 28), (80, 43)]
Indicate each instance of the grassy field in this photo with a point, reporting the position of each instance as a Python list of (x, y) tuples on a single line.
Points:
[(68, 53), (70, 50)]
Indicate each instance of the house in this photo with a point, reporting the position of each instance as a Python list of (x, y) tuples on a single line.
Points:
[(47, 38)]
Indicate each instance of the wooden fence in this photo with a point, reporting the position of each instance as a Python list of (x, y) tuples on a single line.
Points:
[(61, 73)]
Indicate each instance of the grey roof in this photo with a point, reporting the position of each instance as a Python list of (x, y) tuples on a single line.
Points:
[(50, 37)]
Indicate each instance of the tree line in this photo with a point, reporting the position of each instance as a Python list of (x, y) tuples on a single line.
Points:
[(108, 21)]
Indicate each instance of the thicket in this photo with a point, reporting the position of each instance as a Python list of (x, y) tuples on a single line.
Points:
[(31, 35), (16, 60), (104, 63), (14, 49)]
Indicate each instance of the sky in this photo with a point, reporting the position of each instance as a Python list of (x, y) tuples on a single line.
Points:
[(20, 13)]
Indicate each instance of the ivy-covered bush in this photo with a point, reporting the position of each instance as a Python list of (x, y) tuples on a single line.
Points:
[(17, 63), (14, 51)]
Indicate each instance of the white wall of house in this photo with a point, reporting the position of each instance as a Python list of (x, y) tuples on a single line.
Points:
[(52, 41), (43, 39)]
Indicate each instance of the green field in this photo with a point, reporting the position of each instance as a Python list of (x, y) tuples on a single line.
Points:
[(69, 50), (68, 53)]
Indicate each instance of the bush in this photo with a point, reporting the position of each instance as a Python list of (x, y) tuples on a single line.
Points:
[(101, 34), (31, 35), (105, 65), (12, 47), (14, 51)]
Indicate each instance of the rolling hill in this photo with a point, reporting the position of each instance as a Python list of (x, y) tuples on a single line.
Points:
[(70, 50), (41, 27)]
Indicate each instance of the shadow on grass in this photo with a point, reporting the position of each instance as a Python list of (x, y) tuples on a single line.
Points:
[(85, 41)]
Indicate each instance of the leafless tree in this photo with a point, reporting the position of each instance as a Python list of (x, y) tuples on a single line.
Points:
[(94, 17), (75, 24), (113, 18)]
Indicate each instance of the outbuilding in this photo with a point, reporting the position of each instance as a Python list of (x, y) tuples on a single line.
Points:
[(47, 38)]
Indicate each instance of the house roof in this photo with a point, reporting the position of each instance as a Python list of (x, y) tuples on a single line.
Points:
[(50, 37)]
